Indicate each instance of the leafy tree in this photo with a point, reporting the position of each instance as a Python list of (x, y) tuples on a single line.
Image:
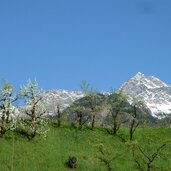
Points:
[(117, 104), (7, 99), (81, 113), (94, 104), (55, 109), (92, 101), (34, 110)]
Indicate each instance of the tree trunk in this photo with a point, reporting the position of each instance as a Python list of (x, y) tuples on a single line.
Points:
[(93, 122), (131, 134), (33, 131), (2, 127), (148, 167), (58, 118), (2, 131), (133, 124), (131, 130), (80, 121), (33, 134), (115, 124), (114, 129)]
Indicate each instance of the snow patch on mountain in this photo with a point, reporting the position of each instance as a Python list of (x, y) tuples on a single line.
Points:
[(155, 93), (63, 98)]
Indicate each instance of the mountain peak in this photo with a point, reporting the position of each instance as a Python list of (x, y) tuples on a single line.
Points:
[(139, 75), (155, 93)]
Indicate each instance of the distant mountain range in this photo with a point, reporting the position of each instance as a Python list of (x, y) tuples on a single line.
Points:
[(155, 94)]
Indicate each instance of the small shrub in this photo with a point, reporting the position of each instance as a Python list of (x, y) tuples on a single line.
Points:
[(72, 162)]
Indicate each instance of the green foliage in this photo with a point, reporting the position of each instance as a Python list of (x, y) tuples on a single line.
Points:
[(151, 153), (87, 107), (117, 104), (110, 158), (80, 112), (92, 101)]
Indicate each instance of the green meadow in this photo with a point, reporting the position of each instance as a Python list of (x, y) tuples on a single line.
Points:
[(94, 150)]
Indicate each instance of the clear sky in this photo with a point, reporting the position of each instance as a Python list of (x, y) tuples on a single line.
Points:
[(62, 42)]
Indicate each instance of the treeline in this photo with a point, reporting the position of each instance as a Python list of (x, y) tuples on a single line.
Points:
[(112, 111)]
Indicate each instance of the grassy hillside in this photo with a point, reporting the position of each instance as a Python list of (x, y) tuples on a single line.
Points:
[(51, 154)]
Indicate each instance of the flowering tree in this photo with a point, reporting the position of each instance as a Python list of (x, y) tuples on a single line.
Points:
[(7, 99), (33, 111)]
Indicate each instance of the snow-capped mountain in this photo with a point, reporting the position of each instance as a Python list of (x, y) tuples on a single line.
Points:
[(155, 93), (61, 97)]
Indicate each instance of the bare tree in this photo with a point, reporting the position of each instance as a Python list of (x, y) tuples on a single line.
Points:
[(146, 160), (108, 158), (134, 122), (104, 158)]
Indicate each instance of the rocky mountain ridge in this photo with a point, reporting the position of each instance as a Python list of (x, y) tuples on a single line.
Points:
[(155, 94)]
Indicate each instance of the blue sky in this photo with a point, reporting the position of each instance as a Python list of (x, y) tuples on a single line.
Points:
[(62, 42)]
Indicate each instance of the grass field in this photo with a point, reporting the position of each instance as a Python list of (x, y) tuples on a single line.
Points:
[(51, 154)]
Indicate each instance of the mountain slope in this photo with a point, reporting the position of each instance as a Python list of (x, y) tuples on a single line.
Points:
[(155, 93)]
